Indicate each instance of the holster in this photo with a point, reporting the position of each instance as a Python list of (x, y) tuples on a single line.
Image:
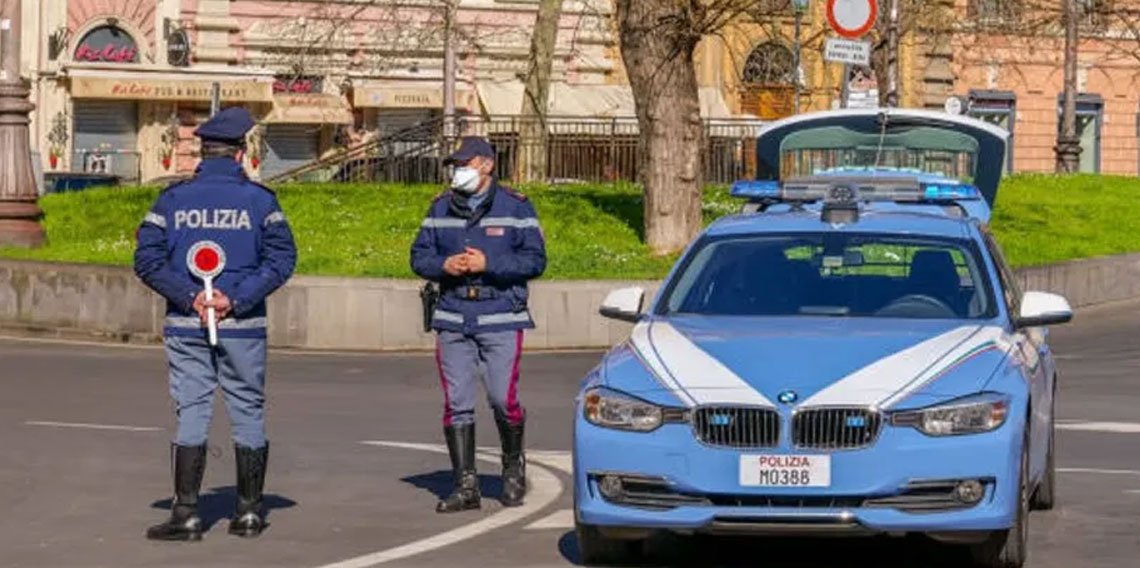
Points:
[(429, 297)]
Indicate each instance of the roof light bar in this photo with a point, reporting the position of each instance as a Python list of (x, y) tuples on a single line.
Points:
[(831, 190)]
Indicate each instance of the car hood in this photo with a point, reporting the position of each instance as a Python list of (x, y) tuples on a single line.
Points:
[(806, 361)]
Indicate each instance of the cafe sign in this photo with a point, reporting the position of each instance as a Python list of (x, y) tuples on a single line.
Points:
[(107, 44), (169, 90), (407, 97)]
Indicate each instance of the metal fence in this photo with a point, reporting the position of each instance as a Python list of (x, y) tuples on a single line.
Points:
[(576, 149)]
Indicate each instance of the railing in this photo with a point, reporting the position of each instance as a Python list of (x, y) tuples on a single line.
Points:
[(576, 149)]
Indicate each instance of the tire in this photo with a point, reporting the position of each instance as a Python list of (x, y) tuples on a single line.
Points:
[(1045, 496), (595, 549), (1010, 548)]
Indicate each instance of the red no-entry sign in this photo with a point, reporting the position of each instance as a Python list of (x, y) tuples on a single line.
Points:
[(852, 18), (206, 260)]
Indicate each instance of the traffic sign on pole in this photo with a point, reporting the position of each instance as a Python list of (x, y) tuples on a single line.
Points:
[(206, 260), (848, 51), (852, 18)]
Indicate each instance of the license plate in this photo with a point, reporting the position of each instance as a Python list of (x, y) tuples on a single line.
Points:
[(770, 470)]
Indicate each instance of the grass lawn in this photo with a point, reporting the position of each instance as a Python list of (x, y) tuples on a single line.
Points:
[(592, 231)]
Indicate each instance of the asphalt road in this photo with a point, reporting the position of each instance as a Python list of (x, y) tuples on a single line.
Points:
[(355, 466)]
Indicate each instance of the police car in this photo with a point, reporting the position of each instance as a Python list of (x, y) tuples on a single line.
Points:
[(850, 356)]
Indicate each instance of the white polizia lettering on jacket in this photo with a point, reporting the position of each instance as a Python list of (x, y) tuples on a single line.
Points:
[(227, 219), (698, 377), (897, 376)]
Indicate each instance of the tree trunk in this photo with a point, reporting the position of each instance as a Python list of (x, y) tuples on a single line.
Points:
[(1068, 148), (533, 131), (657, 45)]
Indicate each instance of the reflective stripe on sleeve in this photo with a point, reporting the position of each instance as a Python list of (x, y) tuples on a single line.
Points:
[(274, 217), (447, 316), (444, 223), (155, 219)]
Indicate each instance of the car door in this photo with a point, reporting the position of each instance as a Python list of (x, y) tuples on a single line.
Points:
[(1033, 350)]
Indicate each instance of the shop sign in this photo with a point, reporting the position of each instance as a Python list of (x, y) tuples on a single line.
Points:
[(297, 85), (107, 44), (142, 89)]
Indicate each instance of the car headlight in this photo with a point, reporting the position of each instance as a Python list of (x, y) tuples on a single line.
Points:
[(970, 415), (611, 409)]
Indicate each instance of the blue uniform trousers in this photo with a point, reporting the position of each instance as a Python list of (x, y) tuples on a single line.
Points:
[(460, 358), (196, 371)]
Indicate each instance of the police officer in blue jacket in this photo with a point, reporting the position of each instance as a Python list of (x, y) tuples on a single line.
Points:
[(481, 242), (222, 205)]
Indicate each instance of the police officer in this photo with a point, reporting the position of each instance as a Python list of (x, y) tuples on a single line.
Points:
[(222, 205), (481, 242)]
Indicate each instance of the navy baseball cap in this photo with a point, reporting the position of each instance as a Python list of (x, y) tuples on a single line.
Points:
[(469, 147), (229, 126)]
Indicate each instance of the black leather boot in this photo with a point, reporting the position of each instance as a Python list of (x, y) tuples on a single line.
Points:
[(249, 520), (514, 460), (461, 446), (188, 464)]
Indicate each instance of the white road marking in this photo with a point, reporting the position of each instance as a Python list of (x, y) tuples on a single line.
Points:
[(559, 460), (544, 490), (1100, 471), (1112, 427), (561, 520), (92, 426)]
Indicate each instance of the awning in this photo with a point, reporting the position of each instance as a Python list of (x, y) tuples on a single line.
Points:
[(712, 103), (309, 109), (409, 95), (100, 84), (506, 98)]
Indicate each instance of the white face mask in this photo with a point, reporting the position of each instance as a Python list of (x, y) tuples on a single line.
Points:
[(465, 180)]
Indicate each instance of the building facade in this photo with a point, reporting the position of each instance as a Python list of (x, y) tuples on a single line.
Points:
[(972, 50), (120, 85)]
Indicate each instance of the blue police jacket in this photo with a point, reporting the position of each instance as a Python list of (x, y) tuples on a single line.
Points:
[(505, 227), (219, 204)]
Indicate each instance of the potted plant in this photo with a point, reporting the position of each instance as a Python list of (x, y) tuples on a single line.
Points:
[(57, 136)]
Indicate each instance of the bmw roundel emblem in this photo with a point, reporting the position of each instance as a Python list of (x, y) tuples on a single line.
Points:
[(788, 396)]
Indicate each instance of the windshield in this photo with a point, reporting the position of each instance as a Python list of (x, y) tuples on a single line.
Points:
[(913, 149), (832, 274)]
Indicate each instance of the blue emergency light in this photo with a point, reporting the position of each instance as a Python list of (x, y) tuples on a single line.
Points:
[(826, 191), (756, 189)]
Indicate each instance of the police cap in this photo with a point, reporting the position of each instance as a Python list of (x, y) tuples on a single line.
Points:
[(470, 147), (228, 126)]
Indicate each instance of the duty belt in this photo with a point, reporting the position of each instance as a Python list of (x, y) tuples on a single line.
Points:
[(474, 292)]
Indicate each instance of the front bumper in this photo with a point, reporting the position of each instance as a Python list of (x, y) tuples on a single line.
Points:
[(864, 484)]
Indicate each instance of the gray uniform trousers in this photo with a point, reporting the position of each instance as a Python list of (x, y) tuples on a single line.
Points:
[(460, 357), (196, 371)]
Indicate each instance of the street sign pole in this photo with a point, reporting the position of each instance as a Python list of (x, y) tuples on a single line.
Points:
[(799, 7), (846, 92)]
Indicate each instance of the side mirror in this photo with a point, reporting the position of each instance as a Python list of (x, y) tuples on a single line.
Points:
[(1041, 308), (623, 304)]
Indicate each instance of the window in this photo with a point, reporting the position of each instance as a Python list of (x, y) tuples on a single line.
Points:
[(1090, 117), (1009, 286), (832, 274), (1000, 109), (1094, 14), (995, 12)]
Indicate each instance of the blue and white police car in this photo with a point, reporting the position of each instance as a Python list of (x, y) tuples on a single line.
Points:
[(850, 356)]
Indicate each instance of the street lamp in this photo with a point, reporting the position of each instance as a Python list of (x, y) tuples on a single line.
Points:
[(799, 6), (19, 214)]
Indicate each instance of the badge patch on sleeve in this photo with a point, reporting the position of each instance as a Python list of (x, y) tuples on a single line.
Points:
[(496, 231)]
